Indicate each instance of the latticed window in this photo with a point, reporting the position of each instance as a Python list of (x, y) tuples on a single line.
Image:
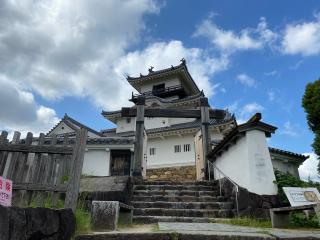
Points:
[(152, 151), (186, 147), (177, 148)]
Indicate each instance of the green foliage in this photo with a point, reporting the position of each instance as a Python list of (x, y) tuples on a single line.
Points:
[(288, 180), (299, 219), (83, 220), (83, 216), (311, 105), (246, 221), (174, 236), (64, 179)]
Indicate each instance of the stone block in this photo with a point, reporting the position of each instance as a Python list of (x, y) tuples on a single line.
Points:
[(36, 223), (104, 215), (67, 224)]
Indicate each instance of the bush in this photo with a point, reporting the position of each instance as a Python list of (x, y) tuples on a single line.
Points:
[(299, 219)]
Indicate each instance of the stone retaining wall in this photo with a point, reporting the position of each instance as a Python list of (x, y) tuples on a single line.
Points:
[(36, 224), (183, 173)]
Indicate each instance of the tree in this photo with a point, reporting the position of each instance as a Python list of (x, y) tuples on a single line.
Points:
[(311, 105)]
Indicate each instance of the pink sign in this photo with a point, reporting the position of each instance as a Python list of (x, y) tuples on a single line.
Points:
[(5, 192)]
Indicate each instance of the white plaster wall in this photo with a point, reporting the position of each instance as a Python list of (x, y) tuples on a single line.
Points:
[(96, 162), (168, 83), (165, 155), (59, 130), (261, 168), (248, 163), (124, 126), (234, 163), (66, 129), (155, 122)]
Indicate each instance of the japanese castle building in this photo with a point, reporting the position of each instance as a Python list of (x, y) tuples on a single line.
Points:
[(172, 146)]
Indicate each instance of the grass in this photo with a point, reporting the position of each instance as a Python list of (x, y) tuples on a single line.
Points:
[(246, 221), (83, 221)]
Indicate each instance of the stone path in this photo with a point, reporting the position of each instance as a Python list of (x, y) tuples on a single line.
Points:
[(226, 229)]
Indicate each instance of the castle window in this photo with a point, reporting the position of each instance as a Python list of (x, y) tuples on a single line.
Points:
[(152, 151), (128, 120), (177, 148), (158, 88), (186, 147)]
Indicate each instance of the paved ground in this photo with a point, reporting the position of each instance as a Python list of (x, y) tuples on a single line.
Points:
[(217, 229)]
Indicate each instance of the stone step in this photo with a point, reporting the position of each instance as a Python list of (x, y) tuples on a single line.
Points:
[(175, 193), (175, 187), (184, 205), (197, 183), (156, 219), (182, 212), (180, 236), (156, 198)]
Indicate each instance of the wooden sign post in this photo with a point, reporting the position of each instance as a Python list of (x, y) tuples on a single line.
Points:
[(138, 144), (206, 138)]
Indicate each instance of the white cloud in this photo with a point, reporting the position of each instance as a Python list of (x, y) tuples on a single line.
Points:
[(245, 112), (302, 38), (271, 96), (308, 170), (271, 73), (246, 80), (20, 112), (248, 110), (163, 54), (228, 41), (289, 129), (60, 48)]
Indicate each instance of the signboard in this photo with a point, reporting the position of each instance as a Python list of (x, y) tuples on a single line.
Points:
[(5, 192), (302, 196)]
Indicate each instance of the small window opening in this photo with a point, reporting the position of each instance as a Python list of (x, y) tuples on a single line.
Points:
[(177, 148)]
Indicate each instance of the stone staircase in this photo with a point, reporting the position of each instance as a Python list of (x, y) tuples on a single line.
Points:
[(164, 201)]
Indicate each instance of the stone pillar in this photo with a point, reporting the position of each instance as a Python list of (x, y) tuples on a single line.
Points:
[(138, 144), (206, 138), (104, 215)]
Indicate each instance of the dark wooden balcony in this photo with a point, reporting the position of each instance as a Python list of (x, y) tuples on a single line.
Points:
[(176, 90)]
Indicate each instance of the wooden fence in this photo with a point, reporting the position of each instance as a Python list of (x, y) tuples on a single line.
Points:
[(43, 168)]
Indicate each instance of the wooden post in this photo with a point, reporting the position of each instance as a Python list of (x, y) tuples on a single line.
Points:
[(74, 181), (12, 158), (138, 144), (206, 138), (3, 155)]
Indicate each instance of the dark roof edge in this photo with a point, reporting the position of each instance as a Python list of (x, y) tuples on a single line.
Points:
[(288, 153)]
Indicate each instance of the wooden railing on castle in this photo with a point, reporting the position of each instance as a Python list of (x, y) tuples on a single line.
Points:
[(44, 170)]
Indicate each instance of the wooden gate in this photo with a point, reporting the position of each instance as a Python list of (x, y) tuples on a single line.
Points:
[(43, 168)]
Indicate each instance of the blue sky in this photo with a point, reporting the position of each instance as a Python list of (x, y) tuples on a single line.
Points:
[(70, 57)]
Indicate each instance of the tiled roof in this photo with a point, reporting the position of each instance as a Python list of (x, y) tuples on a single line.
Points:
[(154, 73), (106, 113), (74, 122), (110, 141), (288, 153)]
